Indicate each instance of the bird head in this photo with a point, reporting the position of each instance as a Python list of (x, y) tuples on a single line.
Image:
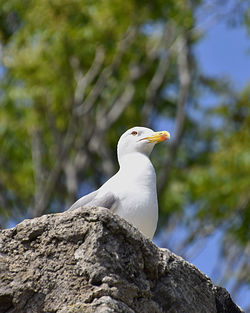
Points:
[(140, 139)]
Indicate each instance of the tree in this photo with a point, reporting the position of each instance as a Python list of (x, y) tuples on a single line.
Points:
[(71, 71)]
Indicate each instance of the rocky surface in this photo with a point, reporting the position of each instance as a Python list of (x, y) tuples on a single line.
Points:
[(90, 260)]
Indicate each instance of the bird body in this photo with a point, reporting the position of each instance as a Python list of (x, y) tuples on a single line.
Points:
[(137, 196), (131, 192)]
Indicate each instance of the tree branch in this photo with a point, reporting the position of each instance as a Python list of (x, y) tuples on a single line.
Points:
[(123, 45), (160, 73), (184, 74), (85, 80)]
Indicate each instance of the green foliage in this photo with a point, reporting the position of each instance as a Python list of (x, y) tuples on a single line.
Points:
[(47, 47), (222, 187)]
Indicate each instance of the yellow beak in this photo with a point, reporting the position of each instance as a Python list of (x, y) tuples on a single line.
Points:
[(158, 136)]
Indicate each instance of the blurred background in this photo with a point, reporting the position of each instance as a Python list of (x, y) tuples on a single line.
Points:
[(74, 75)]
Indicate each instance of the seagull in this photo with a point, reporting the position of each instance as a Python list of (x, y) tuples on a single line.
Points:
[(131, 192)]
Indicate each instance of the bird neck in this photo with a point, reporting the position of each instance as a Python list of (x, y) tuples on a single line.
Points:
[(136, 165)]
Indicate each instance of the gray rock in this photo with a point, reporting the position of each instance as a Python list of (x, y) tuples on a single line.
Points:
[(90, 260)]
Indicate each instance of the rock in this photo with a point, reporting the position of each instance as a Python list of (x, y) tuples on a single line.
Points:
[(90, 260)]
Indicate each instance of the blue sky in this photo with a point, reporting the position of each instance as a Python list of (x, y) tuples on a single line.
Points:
[(225, 52)]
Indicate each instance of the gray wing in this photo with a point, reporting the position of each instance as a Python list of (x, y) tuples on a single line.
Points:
[(108, 200), (83, 200)]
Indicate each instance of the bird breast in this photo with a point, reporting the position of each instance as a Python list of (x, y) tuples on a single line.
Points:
[(137, 195)]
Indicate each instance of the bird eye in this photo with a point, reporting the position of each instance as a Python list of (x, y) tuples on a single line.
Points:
[(134, 133)]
